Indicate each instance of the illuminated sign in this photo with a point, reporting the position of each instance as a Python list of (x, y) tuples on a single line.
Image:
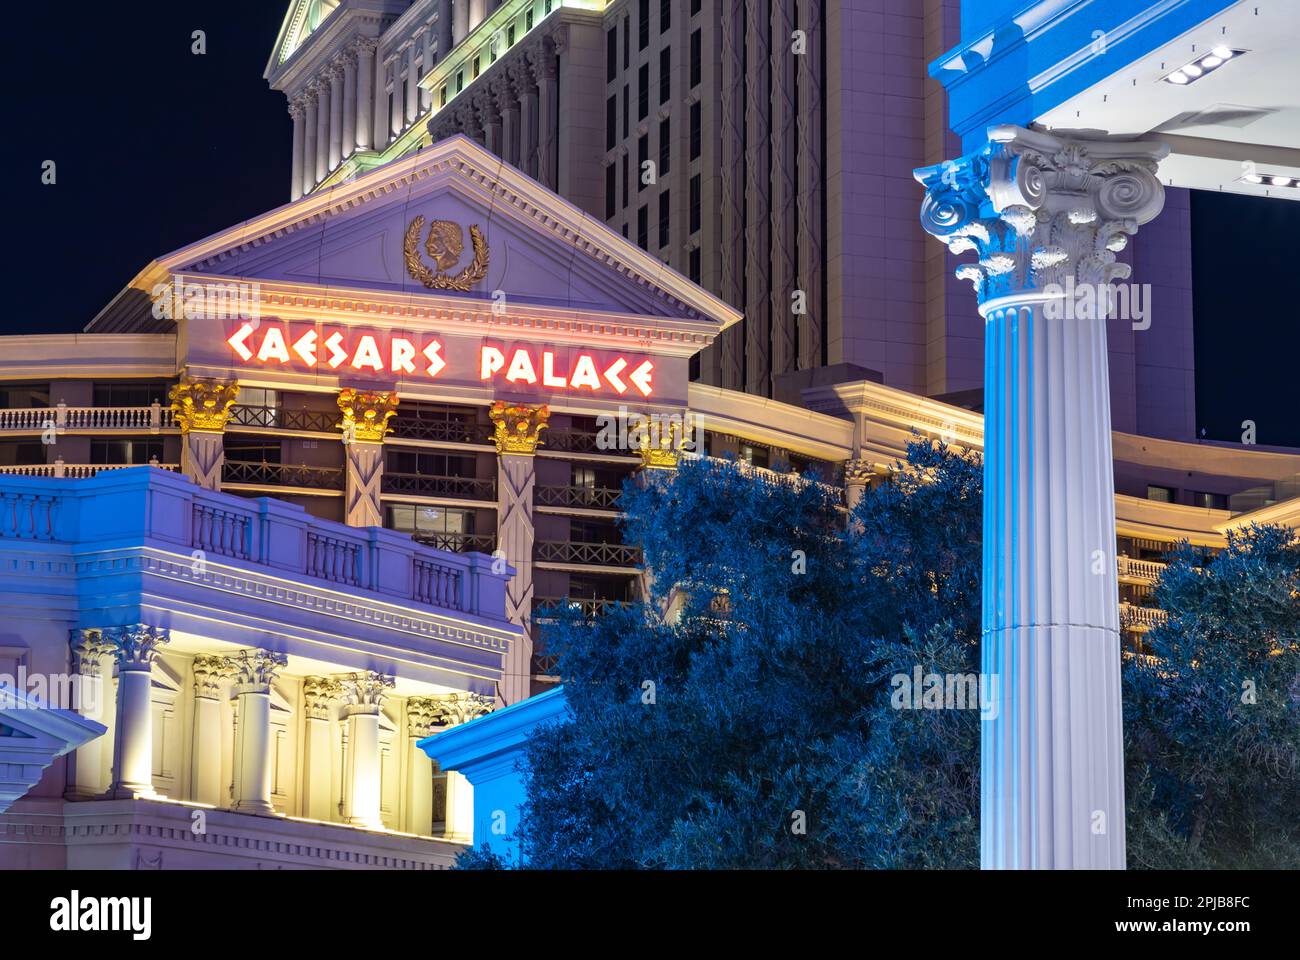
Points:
[(361, 352)]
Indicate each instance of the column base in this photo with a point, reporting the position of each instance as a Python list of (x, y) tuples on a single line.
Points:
[(256, 807), (365, 823), (130, 791)]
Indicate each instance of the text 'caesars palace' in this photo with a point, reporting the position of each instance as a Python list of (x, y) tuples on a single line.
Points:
[(390, 420)]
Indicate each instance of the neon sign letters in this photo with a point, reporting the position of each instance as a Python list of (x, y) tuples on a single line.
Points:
[(355, 351)]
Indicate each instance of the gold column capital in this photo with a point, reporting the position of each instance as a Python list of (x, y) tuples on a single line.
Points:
[(366, 414), (519, 426), (666, 450), (202, 403)]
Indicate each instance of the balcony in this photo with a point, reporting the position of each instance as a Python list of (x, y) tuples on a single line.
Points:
[(1140, 619), (64, 418), (77, 471), (577, 498), (440, 431), (446, 488), (140, 544), (282, 475), (588, 606), (582, 442), (565, 552), (278, 418), (1139, 571)]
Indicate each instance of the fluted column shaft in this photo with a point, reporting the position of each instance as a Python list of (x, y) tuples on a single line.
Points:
[(205, 754), (362, 802), (319, 693), (254, 673), (444, 28), (299, 137), (336, 118), (323, 113), (1039, 211), (365, 94), (395, 99), (311, 126), (547, 116), (91, 655), (349, 135), (135, 648), (412, 87)]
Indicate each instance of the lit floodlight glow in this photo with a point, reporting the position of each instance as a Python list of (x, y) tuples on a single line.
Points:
[(1205, 64), (1177, 77), (1223, 53)]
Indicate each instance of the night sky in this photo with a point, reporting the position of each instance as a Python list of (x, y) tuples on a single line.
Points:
[(156, 147)]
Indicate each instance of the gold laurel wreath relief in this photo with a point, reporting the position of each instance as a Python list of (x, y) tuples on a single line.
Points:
[(435, 280)]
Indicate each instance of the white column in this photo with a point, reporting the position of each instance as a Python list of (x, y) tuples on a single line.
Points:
[(419, 775), (135, 648), (449, 710), (311, 125), (395, 98), (508, 106), (525, 83), (349, 137), (412, 86), (295, 167), (205, 761), (318, 694), (336, 116), (1041, 212), (323, 112), (365, 93), (426, 64), (253, 674), (477, 11), (363, 694), (90, 654)]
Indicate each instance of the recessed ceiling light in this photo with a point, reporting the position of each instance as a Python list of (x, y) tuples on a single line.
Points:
[(1206, 63), (1270, 180)]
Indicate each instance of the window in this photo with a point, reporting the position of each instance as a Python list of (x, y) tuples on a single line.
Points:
[(442, 95), (642, 156), (475, 67), (695, 204), (137, 452), (409, 518), (627, 113), (1211, 501), (460, 80), (250, 450), (665, 74), (528, 20), (643, 26), (611, 55), (694, 267), (24, 396), (665, 14), (626, 35), (611, 123), (643, 92), (696, 54), (128, 394), (1160, 494), (22, 454), (695, 7), (694, 371), (611, 190), (695, 131), (428, 463), (510, 35), (643, 227), (663, 219), (625, 183), (258, 397), (665, 145), (592, 531)]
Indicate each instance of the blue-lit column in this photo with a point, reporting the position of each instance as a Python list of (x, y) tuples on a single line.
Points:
[(1046, 215)]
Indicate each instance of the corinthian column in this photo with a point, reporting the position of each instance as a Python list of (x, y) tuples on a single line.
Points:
[(412, 86), (90, 653), (365, 421), (296, 111), (335, 75), (547, 116), (310, 124), (349, 135), (209, 672), (324, 111), (253, 673), (363, 695), (518, 431), (1041, 211), (444, 28), (135, 648), (508, 108), (365, 93), (526, 87), (201, 407), (318, 695), (420, 723)]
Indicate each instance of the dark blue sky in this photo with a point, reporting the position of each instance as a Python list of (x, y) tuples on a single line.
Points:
[(156, 147)]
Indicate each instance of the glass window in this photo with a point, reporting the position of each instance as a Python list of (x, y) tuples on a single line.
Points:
[(1160, 494), (611, 54), (643, 92), (665, 74), (696, 56)]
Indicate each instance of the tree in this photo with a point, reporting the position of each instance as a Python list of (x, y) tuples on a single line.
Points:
[(1212, 713), (753, 727)]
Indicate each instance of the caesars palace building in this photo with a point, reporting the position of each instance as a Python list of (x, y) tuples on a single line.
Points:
[(299, 495)]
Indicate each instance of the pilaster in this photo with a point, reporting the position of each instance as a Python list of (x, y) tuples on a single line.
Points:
[(91, 653), (201, 408), (364, 425)]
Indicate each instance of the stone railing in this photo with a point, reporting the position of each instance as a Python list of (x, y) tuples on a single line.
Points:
[(1140, 619), (63, 417), (164, 511), (76, 471), (1148, 571)]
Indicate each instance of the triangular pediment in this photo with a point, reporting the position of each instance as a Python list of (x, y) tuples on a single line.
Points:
[(450, 220)]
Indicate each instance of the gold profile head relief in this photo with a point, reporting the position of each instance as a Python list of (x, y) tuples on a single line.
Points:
[(445, 246)]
